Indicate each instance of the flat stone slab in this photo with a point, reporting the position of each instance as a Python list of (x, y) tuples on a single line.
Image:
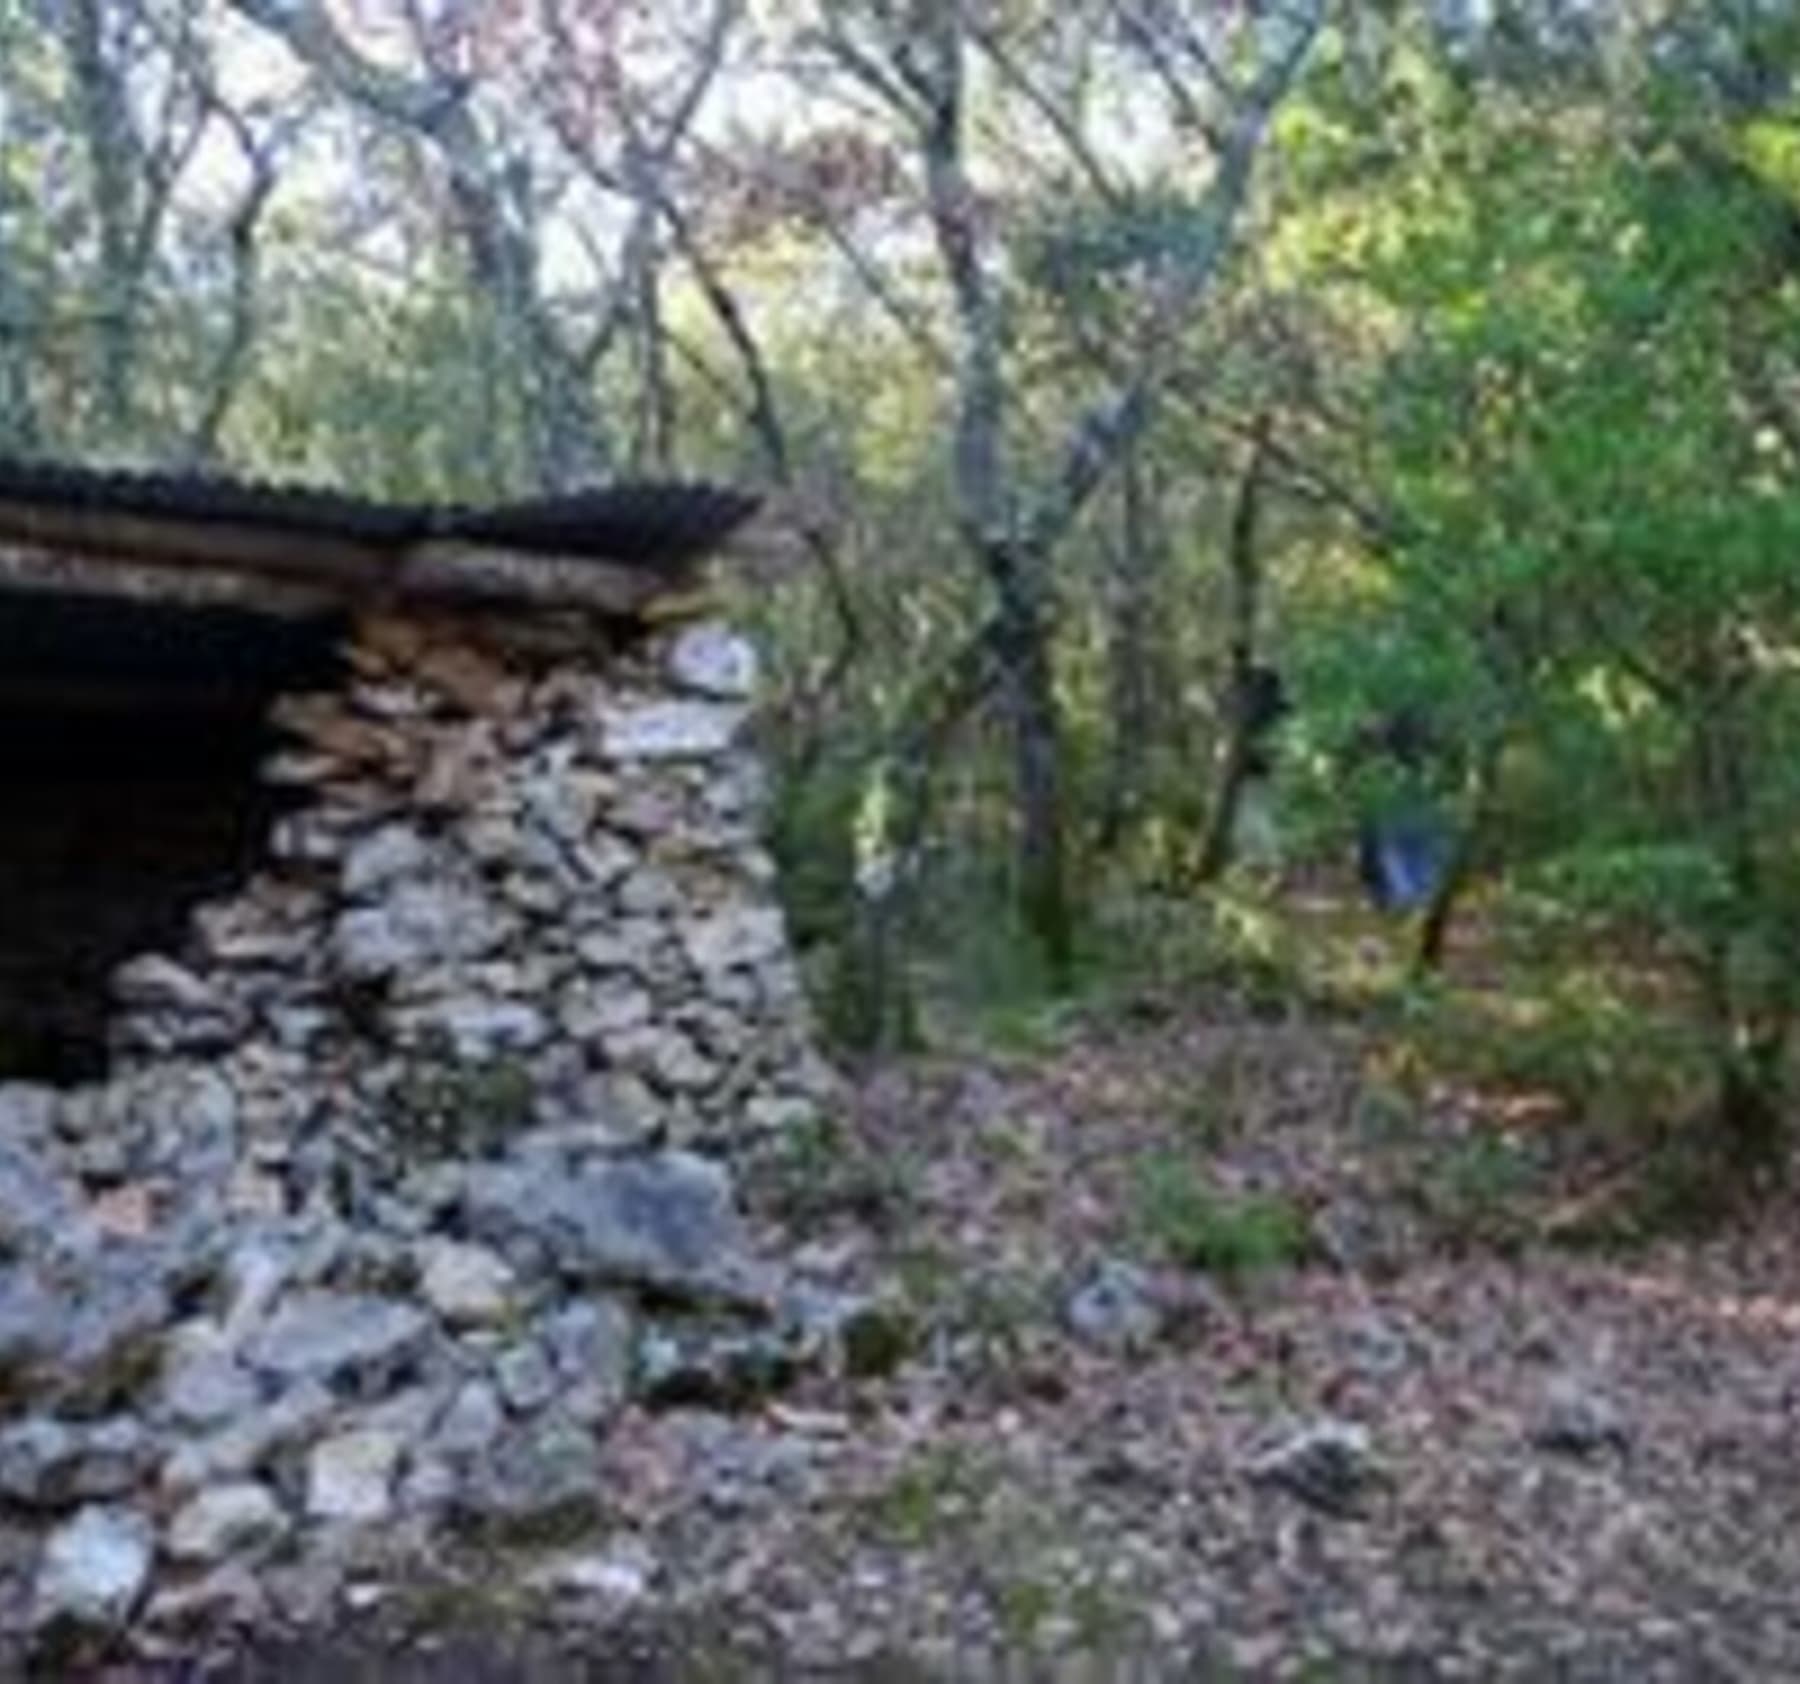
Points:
[(332, 1336)]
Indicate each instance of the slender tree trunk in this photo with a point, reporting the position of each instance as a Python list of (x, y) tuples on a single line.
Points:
[(107, 140), (874, 1006), (1753, 1088), (1752, 1108), (1246, 576), (1038, 773), (1465, 858), (1131, 657), (18, 410), (234, 352), (1440, 914)]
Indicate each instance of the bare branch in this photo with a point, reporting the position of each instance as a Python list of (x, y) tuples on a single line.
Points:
[(1112, 424), (1061, 121), (569, 442)]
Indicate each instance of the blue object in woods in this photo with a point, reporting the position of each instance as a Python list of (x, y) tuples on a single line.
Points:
[(1403, 862)]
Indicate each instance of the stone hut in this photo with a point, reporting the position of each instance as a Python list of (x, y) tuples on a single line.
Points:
[(389, 973)]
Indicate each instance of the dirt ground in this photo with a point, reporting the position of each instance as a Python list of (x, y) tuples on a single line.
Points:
[(1563, 1464)]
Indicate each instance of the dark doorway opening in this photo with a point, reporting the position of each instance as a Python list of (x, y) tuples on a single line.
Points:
[(131, 739)]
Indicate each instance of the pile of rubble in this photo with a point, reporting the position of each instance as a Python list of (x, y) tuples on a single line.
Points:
[(415, 1170)]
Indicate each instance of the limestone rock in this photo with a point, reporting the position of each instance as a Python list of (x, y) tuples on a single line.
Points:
[(527, 1380), (474, 1420), (665, 1221), (419, 923), (330, 1337), (94, 1571), (535, 1485), (478, 1029), (351, 1477), (242, 1519), (594, 1010), (228, 1598), (29, 1112), (1327, 1465), (467, 1285), (678, 730), (664, 1055), (712, 660), (612, 1580), (734, 936), (247, 1444), (255, 1275), (1576, 1419), (393, 852), (92, 1334), (54, 1464), (204, 1386), (154, 982), (647, 893), (127, 1212), (593, 1343), (38, 1213), (1116, 1308), (32, 1320)]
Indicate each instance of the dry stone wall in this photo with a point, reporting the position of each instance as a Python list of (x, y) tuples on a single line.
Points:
[(541, 869), (415, 1170)]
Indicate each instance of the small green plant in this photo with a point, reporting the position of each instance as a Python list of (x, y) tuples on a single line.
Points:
[(997, 1312), (1196, 1226), (927, 1277), (1103, 1619), (1026, 1029), (940, 1491), (1024, 1603), (818, 1170), (1479, 1189), (446, 1106), (1206, 1115), (1385, 1114)]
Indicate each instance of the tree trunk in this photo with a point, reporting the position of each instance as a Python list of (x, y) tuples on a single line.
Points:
[(1131, 660), (1752, 1109), (1038, 773), (873, 1010), (1246, 577), (107, 140), (1753, 1035), (1434, 929)]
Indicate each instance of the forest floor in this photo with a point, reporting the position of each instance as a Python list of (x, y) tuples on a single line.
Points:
[(1388, 1430)]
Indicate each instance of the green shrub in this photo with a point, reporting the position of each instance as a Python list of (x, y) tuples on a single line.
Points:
[(1198, 1227), (938, 1493), (448, 1107), (818, 1170)]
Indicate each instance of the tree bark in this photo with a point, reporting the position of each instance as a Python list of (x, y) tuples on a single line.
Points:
[(876, 1010), (568, 440), (1465, 858), (1029, 680), (106, 135), (1754, 1035), (1134, 671), (1245, 573)]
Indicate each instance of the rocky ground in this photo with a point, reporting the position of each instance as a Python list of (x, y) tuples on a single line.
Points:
[(1354, 1445)]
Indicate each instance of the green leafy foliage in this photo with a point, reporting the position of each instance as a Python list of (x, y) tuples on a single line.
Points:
[(1200, 1228), (447, 1107), (1589, 584)]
